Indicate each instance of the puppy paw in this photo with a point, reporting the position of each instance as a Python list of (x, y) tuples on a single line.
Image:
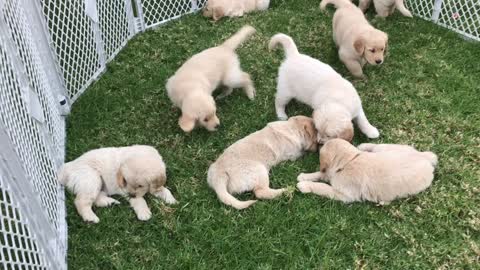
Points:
[(106, 201), (373, 133), (144, 214), (366, 147), (251, 93), (92, 218), (304, 187), (302, 177), (170, 200)]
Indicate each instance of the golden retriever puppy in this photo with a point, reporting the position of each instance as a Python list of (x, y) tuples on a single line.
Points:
[(378, 173), (191, 87), (385, 8), (218, 9), (244, 166), (334, 100), (358, 42), (97, 174)]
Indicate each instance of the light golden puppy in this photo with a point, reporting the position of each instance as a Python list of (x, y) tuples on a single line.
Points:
[(378, 173), (97, 174), (334, 100), (244, 166), (218, 9), (191, 87), (358, 42), (385, 8)]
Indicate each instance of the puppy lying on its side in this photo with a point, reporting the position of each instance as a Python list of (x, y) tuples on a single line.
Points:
[(334, 100), (244, 165), (217, 9), (358, 42), (378, 173), (192, 86), (133, 170), (385, 8)]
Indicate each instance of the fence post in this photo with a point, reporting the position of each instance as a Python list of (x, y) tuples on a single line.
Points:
[(437, 7), (194, 5), (42, 39), (140, 20), (91, 10)]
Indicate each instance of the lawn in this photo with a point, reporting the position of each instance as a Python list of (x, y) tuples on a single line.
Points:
[(427, 94)]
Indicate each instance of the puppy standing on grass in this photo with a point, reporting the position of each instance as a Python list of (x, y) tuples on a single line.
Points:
[(244, 165), (217, 9), (334, 100), (385, 8), (378, 173), (358, 42), (192, 86), (133, 170)]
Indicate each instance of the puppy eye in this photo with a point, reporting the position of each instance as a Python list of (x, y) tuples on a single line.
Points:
[(372, 50), (140, 186), (205, 120), (324, 170), (381, 49)]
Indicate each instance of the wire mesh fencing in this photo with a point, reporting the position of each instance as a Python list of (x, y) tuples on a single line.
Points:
[(50, 52)]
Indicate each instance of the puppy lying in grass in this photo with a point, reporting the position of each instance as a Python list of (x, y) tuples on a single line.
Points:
[(384, 8), (218, 9), (244, 165), (378, 173), (334, 100), (192, 86), (97, 174), (358, 42)]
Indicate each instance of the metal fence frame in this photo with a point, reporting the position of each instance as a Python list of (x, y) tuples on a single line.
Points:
[(50, 52)]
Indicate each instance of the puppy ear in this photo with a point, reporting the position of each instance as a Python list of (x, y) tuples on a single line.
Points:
[(157, 183), (347, 134), (186, 123), (310, 129), (386, 44), (218, 13), (120, 179), (359, 45)]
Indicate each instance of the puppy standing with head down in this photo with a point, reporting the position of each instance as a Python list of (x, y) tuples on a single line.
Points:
[(385, 7), (358, 42), (334, 100), (218, 9), (97, 174), (378, 173), (244, 165), (191, 87)]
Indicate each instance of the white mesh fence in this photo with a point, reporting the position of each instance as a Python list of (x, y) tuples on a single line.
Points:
[(50, 52)]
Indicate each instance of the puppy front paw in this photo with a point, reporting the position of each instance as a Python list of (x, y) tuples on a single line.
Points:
[(144, 214), (251, 93), (373, 133), (91, 218), (304, 187), (302, 177), (170, 200)]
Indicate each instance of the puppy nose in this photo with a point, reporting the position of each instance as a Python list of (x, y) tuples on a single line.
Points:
[(378, 61)]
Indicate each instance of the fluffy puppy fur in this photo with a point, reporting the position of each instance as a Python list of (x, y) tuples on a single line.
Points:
[(385, 8), (191, 87), (358, 42), (218, 9), (334, 100), (97, 174), (378, 173), (244, 166)]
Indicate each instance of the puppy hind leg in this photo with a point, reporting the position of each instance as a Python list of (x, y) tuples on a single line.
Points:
[(365, 126), (225, 93), (236, 78), (103, 200), (280, 104), (83, 203), (262, 189)]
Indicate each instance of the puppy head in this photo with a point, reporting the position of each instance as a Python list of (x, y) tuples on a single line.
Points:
[(211, 10), (372, 46), (199, 108), (334, 155), (138, 175), (332, 122), (306, 126)]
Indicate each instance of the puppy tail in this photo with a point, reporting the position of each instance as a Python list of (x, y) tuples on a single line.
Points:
[(399, 4), (62, 175), (287, 42), (336, 3), (430, 156), (238, 38), (218, 181)]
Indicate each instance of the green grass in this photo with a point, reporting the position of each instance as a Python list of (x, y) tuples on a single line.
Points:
[(426, 94)]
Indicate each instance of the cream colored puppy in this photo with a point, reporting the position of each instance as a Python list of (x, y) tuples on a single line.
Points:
[(334, 100), (385, 8), (244, 166), (97, 174), (218, 9), (192, 86), (358, 42), (378, 173)]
